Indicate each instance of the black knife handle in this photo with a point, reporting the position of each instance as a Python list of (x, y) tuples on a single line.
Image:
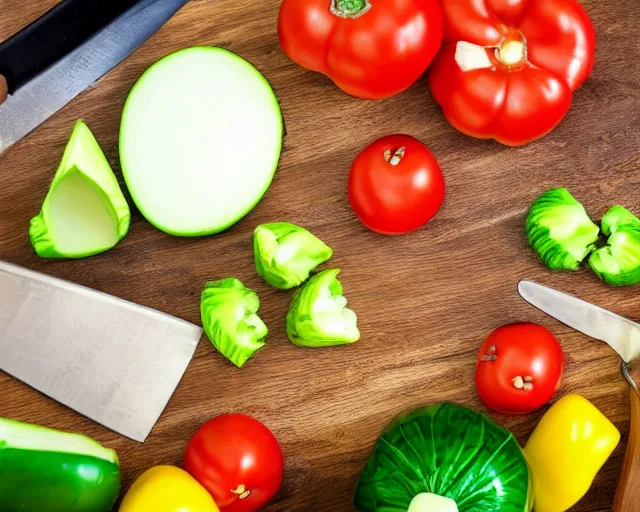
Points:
[(58, 32)]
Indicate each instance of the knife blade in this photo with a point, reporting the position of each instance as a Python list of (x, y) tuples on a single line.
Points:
[(52, 36), (115, 362), (43, 96), (620, 333)]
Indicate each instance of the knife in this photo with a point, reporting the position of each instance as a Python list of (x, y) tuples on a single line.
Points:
[(623, 336), (111, 360), (36, 97), (59, 31)]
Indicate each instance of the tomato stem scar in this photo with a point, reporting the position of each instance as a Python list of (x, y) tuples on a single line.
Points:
[(242, 491)]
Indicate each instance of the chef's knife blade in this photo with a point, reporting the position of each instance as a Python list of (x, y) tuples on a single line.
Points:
[(52, 36), (113, 361), (43, 96), (621, 334)]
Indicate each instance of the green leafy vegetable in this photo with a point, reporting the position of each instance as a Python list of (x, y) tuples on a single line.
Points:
[(318, 316), (200, 140), (230, 320), (618, 263), (560, 230), (285, 254), (45, 470), (84, 212), (448, 451)]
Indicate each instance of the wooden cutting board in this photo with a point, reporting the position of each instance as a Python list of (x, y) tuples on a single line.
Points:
[(425, 301)]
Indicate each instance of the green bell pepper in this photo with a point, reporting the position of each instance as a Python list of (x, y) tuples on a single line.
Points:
[(45, 470)]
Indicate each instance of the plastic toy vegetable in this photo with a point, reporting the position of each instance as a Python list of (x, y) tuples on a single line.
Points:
[(369, 49), (84, 212), (560, 230), (507, 69), (618, 263), (238, 460), (285, 254), (200, 140), (318, 316), (230, 320), (444, 458), (519, 368), (395, 185), (167, 489), (46, 470), (566, 450)]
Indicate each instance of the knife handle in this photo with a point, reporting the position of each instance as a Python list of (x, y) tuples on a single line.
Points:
[(52, 36), (628, 493)]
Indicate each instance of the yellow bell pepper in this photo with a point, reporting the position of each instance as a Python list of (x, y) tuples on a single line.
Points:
[(167, 489), (566, 450)]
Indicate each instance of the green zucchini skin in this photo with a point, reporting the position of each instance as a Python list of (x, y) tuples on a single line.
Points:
[(46, 480)]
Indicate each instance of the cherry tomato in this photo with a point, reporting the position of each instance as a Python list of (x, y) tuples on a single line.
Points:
[(369, 49), (238, 460), (519, 368), (395, 185)]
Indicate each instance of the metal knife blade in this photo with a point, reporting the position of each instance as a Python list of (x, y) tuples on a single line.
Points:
[(43, 96), (113, 361), (59, 31), (620, 333)]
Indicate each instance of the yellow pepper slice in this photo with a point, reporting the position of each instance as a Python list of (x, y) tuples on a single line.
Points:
[(167, 489), (566, 450)]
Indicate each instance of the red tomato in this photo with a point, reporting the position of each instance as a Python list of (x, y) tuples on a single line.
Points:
[(395, 185), (508, 68), (238, 460), (370, 50), (519, 368)]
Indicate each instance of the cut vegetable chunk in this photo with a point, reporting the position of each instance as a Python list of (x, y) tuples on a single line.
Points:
[(560, 231), (84, 212), (230, 319), (618, 263), (285, 254), (318, 315), (200, 140)]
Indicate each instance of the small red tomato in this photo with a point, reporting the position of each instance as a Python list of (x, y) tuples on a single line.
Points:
[(519, 368), (238, 460), (395, 185)]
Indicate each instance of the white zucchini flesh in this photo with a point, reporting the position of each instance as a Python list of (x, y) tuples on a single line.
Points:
[(429, 502), (200, 140), (84, 212)]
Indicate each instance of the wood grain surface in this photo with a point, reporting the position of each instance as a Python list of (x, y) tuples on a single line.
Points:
[(425, 301)]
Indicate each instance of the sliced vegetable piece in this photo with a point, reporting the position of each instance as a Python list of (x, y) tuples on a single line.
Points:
[(560, 230), (566, 450), (229, 317), (200, 140), (318, 316), (167, 489), (84, 212), (51, 471), (445, 458), (285, 254), (618, 263)]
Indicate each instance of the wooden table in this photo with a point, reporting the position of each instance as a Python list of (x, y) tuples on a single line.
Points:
[(424, 301)]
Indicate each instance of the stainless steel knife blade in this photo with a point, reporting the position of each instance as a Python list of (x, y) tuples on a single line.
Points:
[(43, 96), (620, 333), (113, 361)]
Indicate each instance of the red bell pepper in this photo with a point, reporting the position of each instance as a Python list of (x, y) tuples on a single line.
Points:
[(369, 49), (508, 68)]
